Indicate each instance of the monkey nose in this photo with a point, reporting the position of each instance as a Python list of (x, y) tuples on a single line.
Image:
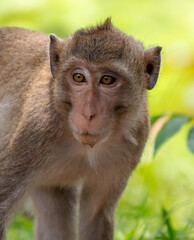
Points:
[(89, 112), (89, 117)]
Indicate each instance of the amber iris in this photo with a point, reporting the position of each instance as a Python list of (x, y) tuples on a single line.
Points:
[(107, 80), (78, 77)]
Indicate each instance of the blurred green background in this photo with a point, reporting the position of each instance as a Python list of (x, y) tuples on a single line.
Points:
[(159, 200)]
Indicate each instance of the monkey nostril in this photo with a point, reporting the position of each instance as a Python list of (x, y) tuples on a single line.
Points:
[(91, 116)]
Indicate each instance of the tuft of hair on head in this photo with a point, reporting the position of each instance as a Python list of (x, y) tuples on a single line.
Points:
[(106, 26)]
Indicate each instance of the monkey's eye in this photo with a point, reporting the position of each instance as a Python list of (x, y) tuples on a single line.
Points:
[(78, 77), (107, 80)]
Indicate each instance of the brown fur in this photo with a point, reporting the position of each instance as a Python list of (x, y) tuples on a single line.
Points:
[(71, 146)]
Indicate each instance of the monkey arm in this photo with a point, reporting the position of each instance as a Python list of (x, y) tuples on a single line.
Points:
[(97, 207), (100, 194), (55, 213), (13, 181)]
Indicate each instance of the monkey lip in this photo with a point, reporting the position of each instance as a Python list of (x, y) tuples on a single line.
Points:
[(90, 138)]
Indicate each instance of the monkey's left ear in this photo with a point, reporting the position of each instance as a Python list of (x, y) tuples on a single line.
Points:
[(56, 47), (152, 60)]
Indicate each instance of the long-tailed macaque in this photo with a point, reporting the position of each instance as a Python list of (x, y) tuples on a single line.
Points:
[(73, 125)]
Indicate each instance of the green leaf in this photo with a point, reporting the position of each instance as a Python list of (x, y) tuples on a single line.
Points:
[(167, 222), (190, 140), (169, 129), (154, 118)]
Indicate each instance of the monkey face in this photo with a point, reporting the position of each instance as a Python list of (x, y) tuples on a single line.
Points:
[(96, 94)]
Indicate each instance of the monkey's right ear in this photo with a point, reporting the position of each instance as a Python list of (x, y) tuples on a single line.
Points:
[(152, 63), (56, 47)]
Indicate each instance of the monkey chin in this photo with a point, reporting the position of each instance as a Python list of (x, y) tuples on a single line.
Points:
[(90, 139)]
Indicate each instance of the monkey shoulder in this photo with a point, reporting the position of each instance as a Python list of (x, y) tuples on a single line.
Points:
[(22, 48), (13, 34), (23, 56)]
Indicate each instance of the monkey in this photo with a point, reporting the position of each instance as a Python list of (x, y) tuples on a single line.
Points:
[(73, 124)]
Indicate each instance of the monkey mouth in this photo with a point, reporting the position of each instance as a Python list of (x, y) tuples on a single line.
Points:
[(90, 139)]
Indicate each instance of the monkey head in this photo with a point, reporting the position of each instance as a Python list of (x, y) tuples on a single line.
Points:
[(100, 75)]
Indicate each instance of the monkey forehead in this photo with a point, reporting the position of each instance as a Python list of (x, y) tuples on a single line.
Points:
[(97, 48), (105, 46)]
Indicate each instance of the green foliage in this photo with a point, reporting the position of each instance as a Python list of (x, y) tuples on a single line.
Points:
[(190, 140), (171, 127), (21, 229)]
